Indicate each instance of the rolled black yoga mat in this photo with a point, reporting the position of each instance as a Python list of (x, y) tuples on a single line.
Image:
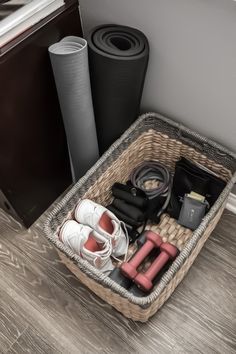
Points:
[(118, 58)]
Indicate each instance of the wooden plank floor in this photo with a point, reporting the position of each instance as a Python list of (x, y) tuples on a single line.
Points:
[(44, 309)]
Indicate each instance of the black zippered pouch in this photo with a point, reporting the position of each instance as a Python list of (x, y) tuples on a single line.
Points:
[(190, 177)]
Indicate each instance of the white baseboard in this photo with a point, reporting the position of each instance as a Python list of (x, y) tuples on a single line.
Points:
[(231, 204)]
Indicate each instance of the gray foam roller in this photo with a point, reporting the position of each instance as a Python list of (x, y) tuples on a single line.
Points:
[(69, 59)]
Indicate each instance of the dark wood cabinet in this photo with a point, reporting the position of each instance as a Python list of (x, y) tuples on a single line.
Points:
[(34, 162)]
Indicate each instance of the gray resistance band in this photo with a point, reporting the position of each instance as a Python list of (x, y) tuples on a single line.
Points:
[(151, 170), (69, 59)]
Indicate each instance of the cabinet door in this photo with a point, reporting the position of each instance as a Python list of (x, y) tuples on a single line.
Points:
[(34, 162)]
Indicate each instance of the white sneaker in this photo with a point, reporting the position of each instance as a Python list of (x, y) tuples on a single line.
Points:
[(88, 244), (105, 223)]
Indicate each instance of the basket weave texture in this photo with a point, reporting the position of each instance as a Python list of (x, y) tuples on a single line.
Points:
[(151, 137)]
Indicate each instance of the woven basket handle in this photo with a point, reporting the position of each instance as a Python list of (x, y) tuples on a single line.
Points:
[(196, 141), (191, 140)]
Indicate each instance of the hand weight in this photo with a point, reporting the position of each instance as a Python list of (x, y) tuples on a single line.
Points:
[(116, 274), (129, 269), (145, 280), (137, 291)]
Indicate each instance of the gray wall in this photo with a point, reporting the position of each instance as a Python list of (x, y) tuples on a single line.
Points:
[(192, 69)]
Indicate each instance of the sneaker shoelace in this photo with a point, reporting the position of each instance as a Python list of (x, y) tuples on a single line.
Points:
[(122, 231)]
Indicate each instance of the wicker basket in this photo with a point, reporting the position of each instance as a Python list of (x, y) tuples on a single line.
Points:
[(151, 137)]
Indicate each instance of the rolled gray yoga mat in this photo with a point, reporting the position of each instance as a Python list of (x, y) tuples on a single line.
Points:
[(69, 59)]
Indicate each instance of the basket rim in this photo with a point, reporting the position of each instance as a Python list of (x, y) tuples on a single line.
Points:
[(98, 276)]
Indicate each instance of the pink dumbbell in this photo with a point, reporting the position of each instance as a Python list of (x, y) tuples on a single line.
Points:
[(129, 269), (145, 280)]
